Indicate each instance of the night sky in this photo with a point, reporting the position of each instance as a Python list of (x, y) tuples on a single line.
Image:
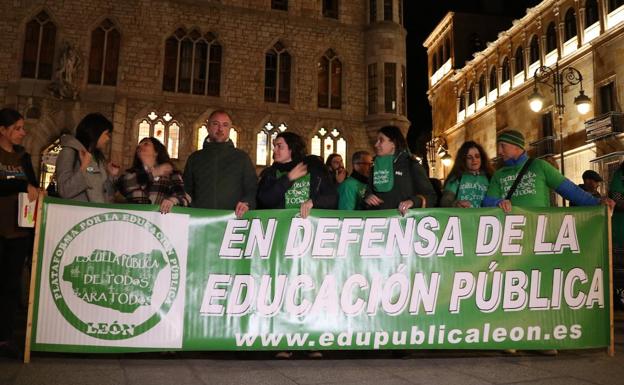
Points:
[(420, 20)]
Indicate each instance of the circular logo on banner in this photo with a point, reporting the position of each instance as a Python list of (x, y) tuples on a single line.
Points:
[(114, 275)]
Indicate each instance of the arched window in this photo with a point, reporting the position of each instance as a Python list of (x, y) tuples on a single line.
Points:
[(104, 55), (471, 96), (447, 49), (461, 101), (192, 63), (434, 62), (612, 5), (39, 43), (329, 81), (534, 54), (277, 75), (493, 79), (264, 142), (505, 70), (481, 86), (519, 60), (570, 24), (202, 135), (162, 127), (591, 13), (326, 142), (551, 37)]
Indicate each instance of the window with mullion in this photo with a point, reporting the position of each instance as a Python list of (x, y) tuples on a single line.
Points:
[(192, 63), (277, 65), (39, 46), (104, 54)]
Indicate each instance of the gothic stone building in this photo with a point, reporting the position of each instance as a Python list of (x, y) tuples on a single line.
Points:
[(332, 71), (474, 98)]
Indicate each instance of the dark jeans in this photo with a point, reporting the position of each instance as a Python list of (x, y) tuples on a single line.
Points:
[(13, 253)]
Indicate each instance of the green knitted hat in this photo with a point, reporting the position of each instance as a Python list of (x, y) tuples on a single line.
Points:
[(512, 137)]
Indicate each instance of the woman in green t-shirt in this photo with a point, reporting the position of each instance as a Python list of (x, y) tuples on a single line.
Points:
[(469, 178)]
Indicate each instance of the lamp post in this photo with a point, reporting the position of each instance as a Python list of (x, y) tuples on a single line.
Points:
[(569, 75), (437, 147)]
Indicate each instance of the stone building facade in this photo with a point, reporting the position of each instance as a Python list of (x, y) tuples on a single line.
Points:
[(475, 99), (332, 71)]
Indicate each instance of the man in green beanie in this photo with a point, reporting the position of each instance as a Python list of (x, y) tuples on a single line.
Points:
[(533, 190)]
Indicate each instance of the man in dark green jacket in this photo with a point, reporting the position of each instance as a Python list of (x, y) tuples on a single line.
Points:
[(352, 191), (220, 176)]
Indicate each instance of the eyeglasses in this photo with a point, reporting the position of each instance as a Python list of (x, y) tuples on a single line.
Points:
[(365, 163), (216, 123)]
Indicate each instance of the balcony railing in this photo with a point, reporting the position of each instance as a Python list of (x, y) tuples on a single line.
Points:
[(604, 125), (544, 147)]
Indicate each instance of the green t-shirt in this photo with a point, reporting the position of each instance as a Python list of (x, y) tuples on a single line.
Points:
[(298, 193), (472, 188), (617, 224), (351, 194), (534, 188)]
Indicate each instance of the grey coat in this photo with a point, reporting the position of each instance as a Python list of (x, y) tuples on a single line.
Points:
[(92, 185)]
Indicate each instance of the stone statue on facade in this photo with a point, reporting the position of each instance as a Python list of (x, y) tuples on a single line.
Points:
[(63, 82)]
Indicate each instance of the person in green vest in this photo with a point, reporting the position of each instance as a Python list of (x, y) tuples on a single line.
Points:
[(540, 177), (616, 192), (351, 192), (469, 178), (295, 180)]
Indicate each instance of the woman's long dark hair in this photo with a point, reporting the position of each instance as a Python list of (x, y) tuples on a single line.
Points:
[(89, 130), (162, 156), (295, 144), (396, 136), (9, 117), (460, 161), (329, 160)]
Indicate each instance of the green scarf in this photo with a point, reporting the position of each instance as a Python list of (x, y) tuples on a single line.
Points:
[(383, 173)]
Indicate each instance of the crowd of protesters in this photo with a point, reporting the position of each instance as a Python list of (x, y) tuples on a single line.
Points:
[(220, 176)]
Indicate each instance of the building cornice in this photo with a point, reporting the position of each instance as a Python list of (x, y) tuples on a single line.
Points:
[(439, 30)]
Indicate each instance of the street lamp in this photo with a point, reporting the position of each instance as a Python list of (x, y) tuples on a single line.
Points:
[(570, 75), (437, 147)]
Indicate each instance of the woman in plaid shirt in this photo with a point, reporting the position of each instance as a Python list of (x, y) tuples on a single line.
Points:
[(152, 179)]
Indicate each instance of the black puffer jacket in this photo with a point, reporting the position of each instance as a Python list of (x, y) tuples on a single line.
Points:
[(410, 181), (271, 189)]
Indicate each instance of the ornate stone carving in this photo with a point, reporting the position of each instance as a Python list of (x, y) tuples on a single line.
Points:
[(63, 84)]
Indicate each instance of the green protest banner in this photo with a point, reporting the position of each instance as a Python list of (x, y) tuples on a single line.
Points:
[(114, 278)]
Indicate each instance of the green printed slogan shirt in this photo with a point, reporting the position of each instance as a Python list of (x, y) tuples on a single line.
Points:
[(534, 188), (472, 188), (298, 193)]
